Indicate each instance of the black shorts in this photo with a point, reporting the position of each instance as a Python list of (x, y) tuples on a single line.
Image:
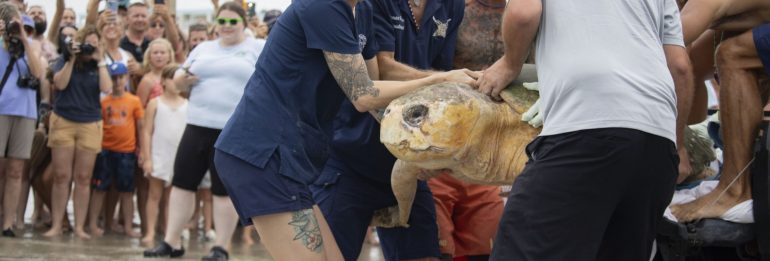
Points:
[(588, 195), (194, 157)]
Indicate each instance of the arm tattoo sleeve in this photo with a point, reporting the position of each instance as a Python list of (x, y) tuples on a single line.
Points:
[(350, 72), (307, 230)]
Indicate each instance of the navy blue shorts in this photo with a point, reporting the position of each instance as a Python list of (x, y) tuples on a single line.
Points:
[(762, 43), (348, 201), (260, 191), (115, 166)]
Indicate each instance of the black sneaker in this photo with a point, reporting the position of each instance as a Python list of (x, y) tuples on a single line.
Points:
[(8, 233), (164, 250), (216, 254)]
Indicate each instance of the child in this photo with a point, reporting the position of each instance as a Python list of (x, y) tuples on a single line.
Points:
[(122, 114), (164, 125)]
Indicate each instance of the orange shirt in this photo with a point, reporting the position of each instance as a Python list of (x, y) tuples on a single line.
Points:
[(120, 115)]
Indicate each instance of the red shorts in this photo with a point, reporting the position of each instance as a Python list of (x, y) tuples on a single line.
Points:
[(467, 215)]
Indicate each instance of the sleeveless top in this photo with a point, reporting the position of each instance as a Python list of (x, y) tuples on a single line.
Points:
[(168, 129)]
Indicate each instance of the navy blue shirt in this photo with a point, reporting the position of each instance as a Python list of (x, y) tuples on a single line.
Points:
[(356, 140), (291, 99), (79, 102)]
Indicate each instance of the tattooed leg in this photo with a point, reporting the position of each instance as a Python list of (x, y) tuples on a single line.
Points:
[(299, 235), (306, 230)]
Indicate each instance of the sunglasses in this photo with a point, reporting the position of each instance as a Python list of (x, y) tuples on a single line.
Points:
[(232, 21), (161, 25)]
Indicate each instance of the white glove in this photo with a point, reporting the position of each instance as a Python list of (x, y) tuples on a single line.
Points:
[(533, 116)]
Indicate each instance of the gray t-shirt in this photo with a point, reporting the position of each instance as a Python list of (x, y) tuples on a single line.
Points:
[(601, 65)]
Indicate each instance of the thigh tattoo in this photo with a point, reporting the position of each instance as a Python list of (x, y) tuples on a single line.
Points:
[(307, 229)]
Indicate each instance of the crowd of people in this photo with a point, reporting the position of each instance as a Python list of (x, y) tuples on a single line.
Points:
[(274, 123), (107, 104)]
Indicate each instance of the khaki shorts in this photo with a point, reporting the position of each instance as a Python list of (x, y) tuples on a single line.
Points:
[(16, 135), (65, 133)]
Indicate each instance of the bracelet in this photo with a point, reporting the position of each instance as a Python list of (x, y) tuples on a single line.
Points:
[(102, 64)]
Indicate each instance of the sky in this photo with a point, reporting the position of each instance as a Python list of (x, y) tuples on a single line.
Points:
[(182, 5)]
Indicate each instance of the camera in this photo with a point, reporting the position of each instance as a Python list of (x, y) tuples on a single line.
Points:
[(27, 81), (13, 34), (87, 49)]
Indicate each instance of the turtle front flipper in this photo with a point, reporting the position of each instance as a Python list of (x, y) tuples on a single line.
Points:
[(404, 183)]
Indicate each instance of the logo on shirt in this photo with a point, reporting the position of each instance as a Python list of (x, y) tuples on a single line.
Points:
[(361, 42), (398, 22), (441, 27)]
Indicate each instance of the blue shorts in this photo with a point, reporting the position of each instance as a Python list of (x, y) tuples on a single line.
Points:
[(115, 166), (260, 191), (762, 43), (348, 201)]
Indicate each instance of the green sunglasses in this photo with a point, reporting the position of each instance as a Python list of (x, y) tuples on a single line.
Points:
[(232, 21)]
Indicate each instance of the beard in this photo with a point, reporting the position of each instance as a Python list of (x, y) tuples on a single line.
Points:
[(40, 27)]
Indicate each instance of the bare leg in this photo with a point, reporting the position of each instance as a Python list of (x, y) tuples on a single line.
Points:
[(163, 220), (207, 209), (193, 225), (21, 208), (142, 189), (13, 169), (741, 107), (178, 215), (246, 237), (62, 161), (110, 206), (153, 201), (127, 209), (94, 211), (84, 169), (299, 235), (225, 220)]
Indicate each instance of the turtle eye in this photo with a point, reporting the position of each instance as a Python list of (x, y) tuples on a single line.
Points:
[(415, 115)]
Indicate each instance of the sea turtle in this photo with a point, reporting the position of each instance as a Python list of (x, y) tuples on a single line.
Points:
[(450, 127)]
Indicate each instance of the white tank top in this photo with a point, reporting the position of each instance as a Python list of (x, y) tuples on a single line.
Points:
[(168, 129)]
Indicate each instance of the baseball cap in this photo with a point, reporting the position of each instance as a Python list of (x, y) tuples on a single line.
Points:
[(117, 69)]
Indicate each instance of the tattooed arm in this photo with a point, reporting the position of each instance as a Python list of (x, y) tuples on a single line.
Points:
[(390, 69), (352, 75)]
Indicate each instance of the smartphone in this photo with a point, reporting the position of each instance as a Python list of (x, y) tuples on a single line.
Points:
[(252, 9), (160, 2), (112, 5)]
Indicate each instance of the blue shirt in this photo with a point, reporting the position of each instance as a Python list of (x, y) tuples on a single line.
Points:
[(80, 101), (291, 99), (356, 140), (16, 101)]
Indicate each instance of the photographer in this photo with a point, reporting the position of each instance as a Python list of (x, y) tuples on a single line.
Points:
[(75, 135), (18, 106)]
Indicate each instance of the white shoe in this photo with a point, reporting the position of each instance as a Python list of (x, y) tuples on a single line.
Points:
[(211, 235), (186, 234)]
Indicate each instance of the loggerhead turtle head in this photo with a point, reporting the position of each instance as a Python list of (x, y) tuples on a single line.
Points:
[(432, 124)]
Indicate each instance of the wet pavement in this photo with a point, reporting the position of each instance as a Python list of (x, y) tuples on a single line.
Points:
[(31, 245)]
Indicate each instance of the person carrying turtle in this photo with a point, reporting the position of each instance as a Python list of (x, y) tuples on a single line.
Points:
[(605, 164), (277, 140)]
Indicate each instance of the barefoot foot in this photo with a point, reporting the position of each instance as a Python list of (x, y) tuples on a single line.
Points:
[(148, 239), (96, 231), (131, 233), (82, 234), (706, 207), (53, 232)]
